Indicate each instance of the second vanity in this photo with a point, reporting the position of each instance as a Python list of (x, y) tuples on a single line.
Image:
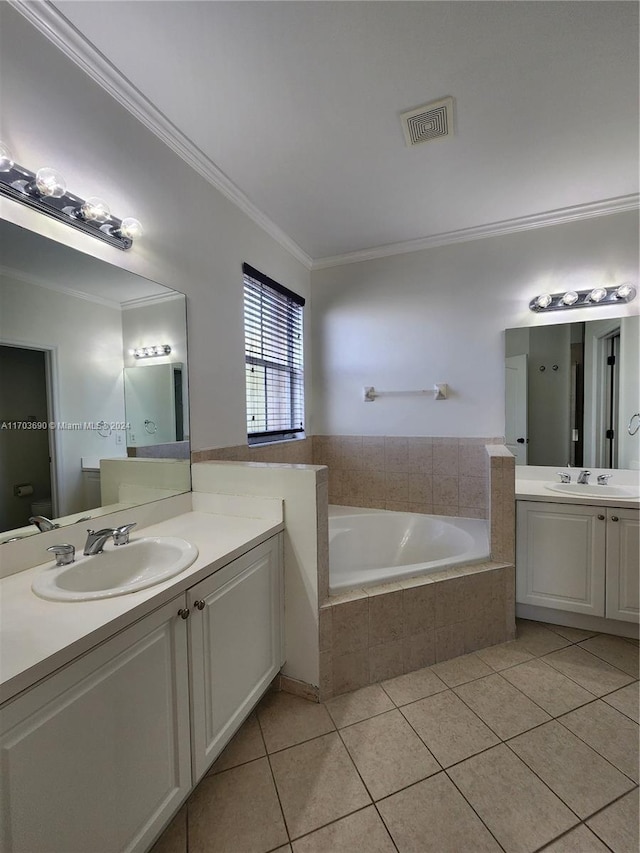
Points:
[(577, 549), (114, 709)]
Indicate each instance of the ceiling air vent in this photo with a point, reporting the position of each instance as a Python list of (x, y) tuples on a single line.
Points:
[(431, 121)]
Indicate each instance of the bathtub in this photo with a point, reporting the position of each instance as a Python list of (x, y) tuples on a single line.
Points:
[(369, 547)]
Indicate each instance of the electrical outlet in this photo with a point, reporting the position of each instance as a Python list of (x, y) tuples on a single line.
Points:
[(119, 438)]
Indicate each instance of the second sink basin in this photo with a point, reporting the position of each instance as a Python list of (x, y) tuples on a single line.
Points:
[(127, 568), (588, 490)]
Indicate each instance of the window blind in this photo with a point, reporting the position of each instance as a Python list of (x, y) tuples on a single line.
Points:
[(273, 358)]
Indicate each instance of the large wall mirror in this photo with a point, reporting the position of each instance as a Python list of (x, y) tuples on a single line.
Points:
[(86, 426), (573, 393)]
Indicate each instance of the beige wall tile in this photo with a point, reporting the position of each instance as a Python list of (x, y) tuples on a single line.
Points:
[(396, 486), (444, 509), (419, 650), (450, 602), (419, 609), (322, 539), (445, 457), (372, 453), (472, 491), (350, 630), (399, 506), (420, 488), (373, 484), (325, 620), (350, 671), (326, 676), (445, 490), (449, 641), (396, 455), (385, 661), (420, 455), (385, 618)]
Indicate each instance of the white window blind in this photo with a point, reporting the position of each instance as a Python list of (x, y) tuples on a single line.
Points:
[(273, 357)]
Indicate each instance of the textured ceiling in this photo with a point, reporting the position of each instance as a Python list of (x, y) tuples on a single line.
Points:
[(298, 104)]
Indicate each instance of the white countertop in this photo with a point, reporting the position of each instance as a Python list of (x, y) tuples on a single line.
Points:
[(39, 636), (532, 482)]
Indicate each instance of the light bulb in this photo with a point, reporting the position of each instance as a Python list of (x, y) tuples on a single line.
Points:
[(130, 228), (625, 291), (597, 294), (50, 183), (570, 298), (544, 300), (95, 210), (6, 158)]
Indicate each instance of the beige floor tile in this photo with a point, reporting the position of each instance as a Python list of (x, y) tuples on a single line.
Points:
[(236, 810), (317, 784), (174, 838), (362, 832), (285, 849), (592, 673), (615, 651), (414, 685), (627, 700), (246, 745), (389, 755), (447, 726), (578, 840), (503, 708), (461, 669), (547, 687), (505, 655), (286, 720), (536, 639), (574, 635), (617, 825), (609, 732), (519, 809), (432, 817), (360, 705), (578, 775)]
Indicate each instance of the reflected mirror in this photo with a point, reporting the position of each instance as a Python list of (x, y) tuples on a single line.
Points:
[(573, 394), (87, 426)]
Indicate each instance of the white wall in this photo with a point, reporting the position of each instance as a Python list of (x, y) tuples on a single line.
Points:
[(86, 344), (195, 240), (629, 446), (405, 322)]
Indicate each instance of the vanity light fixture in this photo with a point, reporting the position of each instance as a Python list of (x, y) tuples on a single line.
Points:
[(46, 192), (152, 352), (583, 298)]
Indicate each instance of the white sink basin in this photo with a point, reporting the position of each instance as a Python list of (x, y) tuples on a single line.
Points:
[(126, 568), (594, 491)]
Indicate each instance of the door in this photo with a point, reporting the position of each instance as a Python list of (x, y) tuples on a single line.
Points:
[(560, 556), (96, 757), (234, 638), (623, 558), (516, 407)]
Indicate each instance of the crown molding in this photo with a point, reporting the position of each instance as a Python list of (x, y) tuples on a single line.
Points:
[(36, 281), (52, 24), (155, 299), (560, 216)]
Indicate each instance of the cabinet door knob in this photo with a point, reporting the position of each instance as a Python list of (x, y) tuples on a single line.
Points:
[(183, 612), (614, 518), (199, 604), (601, 517)]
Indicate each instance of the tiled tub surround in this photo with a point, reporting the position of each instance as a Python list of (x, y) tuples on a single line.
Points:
[(370, 635)]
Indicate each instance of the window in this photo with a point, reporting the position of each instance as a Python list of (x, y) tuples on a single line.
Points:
[(273, 357)]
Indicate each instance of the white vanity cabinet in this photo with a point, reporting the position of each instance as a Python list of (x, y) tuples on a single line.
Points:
[(96, 756), (578, 558), (100, 755), (235, 646)]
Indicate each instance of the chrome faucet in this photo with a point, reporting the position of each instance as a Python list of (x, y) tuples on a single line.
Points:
[(43, 524), (565, 477), (603, 478), (583, 477), (96, 540)]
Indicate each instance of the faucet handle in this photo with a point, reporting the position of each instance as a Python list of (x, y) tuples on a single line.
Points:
[(65, 553), (121, 534), (602, 479), (565, 477)]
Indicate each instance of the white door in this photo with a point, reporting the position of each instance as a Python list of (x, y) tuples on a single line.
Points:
[(516, 407), (560, 556), (96, 757), (150, 404), (234, 638), (623, 558)]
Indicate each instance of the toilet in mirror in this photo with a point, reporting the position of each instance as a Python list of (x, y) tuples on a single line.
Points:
[(94, 413)]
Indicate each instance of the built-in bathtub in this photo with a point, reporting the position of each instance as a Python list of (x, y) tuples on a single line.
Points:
[(369, 547)]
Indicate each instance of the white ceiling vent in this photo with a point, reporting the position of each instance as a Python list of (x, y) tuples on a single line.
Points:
[(431, 121)]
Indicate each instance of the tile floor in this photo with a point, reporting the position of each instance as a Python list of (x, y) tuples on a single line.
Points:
[(530, 745)]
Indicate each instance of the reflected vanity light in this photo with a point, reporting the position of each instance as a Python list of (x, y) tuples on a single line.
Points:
[(46, 192), (152, 352), (583, 298)]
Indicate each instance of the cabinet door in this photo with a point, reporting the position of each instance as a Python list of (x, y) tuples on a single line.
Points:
[(234, 636), (97, 756), (560, 556), (623, 557)]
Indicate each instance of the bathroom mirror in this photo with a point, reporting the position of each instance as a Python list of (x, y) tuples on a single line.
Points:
[(572, 390), (73, 438)]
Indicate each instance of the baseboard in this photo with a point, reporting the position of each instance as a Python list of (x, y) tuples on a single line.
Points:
[(578, 620)]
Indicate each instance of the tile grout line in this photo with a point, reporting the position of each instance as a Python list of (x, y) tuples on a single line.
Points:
[(273, 779)]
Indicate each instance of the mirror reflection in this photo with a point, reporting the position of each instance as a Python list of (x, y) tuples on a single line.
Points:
[(86, 425), (572, 393)]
